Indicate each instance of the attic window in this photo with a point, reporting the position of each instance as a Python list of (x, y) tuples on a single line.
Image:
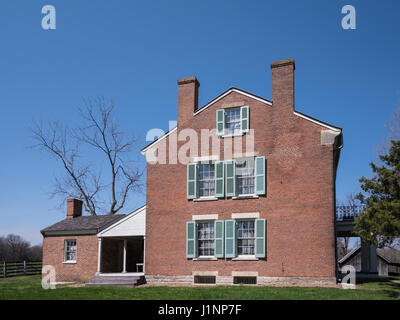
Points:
[(232, 121)]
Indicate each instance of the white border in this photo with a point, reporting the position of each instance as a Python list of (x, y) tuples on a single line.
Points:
[(316, 121), (158, 140), (228, 92)]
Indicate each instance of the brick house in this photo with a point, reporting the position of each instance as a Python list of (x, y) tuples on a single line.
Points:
[(250, 201), (80, 247)]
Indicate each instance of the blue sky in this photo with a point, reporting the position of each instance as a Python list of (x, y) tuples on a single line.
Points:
[(133, 52)]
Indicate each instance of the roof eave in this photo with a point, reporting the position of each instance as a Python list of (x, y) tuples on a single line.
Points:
[(69, 232)]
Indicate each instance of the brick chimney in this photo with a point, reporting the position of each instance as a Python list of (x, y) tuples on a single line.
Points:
[(74, 208), (283, 90), (188, 94)]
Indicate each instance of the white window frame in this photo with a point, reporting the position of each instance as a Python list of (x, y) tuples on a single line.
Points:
[(66, 252), (228, 134), (237, 179), (212, 196), (244, 256), (212, 222)]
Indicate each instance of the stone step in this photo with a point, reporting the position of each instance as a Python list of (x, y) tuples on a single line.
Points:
[(110, 285), (111, 279), (115, 281)]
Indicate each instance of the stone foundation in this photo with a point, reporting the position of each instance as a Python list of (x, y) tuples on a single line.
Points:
[(228, 280)]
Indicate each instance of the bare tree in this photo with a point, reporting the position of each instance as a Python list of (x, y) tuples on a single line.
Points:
[(394, 125), (35, 253), (15, 248), (393, 133), (342, 246), (99, 132)]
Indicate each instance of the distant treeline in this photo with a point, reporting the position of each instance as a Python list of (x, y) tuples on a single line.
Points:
[(15, 248)]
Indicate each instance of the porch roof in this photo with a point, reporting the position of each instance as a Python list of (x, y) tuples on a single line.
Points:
[(133, 224)]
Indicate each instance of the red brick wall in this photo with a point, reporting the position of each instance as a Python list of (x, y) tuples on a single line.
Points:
[(298, 206), (86, 264)]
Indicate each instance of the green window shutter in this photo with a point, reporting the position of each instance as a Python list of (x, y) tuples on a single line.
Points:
[(260, 238), (230, 238), (191, 181), (230, 182), (219, 179), (220, 122), (219, 239), (191, 239), (244, 119), (260, 175)]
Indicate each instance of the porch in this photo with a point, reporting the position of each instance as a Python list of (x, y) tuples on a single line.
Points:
[(121, 255), (121, 252)]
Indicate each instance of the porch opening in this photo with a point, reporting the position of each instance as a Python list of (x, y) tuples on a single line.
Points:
[(122, 255)]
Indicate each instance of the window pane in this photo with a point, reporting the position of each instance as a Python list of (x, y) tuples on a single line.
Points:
[(245, 176), (232, 121), (70, 250), (206, 179), (205, 236), (245, 237)]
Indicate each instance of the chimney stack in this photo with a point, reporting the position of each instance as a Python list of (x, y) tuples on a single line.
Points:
[(188, 94), (283, 89), (74, 208)]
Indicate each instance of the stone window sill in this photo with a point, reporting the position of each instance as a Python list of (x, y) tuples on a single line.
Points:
[(205, 199), (232, 135), (245, 196), (205, 259), (69, 262), (245, 258)]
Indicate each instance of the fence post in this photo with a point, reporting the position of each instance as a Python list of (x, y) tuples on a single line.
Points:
[(4, 269), (24, 268)]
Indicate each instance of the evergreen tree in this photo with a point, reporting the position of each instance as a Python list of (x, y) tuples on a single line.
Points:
[(379, 222)]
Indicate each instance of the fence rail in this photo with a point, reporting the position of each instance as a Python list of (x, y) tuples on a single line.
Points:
[(20, 268)]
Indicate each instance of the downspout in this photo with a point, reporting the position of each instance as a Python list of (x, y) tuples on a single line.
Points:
[(336, 150)]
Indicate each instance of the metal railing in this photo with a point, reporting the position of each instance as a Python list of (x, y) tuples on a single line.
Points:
[(347, 213)]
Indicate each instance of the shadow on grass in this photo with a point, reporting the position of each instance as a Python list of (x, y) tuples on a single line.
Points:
[(385, 284)]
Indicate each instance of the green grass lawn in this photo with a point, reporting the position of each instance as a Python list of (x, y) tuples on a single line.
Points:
[(30, 288)]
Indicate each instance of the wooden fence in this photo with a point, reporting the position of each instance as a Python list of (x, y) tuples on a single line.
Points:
[(21, 268)]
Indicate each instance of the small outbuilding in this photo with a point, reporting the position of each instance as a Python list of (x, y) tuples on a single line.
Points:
[(353, 258), (81, 247)]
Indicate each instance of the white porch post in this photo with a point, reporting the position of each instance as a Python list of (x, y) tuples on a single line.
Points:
[(99, 255), (124, 263)]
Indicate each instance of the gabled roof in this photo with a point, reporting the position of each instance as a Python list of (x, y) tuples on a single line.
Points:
[(253, 96), (82, 225), (355, 251), (230, 90), (133, 224)]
